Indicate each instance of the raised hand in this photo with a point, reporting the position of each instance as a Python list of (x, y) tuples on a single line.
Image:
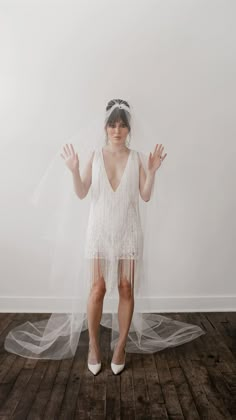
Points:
[(70, 157), (155, 159)]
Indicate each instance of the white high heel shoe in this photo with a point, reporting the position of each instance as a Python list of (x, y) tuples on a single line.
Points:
[(118, 368), (94, 367)]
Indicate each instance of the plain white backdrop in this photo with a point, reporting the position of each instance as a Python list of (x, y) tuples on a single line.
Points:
[(59, 62)]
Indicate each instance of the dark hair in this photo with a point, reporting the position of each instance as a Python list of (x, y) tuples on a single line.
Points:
[(117, 113)]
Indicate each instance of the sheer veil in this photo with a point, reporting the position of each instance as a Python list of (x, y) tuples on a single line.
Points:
[(63, 218)]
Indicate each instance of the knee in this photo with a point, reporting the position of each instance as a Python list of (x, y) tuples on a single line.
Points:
[(98, 290), (125, 289)]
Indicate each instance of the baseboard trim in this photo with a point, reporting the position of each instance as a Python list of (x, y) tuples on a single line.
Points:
[(32, 304)]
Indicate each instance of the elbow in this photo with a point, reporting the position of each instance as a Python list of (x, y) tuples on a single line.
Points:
[(144, 196), (146, 199), (81, 196)]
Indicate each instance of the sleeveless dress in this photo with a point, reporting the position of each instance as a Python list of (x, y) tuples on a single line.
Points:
[(114, 231)]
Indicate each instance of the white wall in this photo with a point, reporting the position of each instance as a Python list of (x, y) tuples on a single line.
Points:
[(59, 61)]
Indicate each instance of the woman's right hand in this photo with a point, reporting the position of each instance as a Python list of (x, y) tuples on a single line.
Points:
[(70, 157)]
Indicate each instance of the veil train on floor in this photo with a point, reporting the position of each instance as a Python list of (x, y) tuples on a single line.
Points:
[(63, 217)]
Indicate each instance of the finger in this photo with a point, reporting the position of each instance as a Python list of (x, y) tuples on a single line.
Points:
[(62, 156), (65, 151), (72, 150), (155, 149), (68, 149), (164, 157), (158, 150)]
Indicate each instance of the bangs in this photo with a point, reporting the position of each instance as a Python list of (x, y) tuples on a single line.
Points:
[(117, 115)]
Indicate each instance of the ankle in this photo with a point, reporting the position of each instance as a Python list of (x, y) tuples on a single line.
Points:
[(94, 344), (120, 345)]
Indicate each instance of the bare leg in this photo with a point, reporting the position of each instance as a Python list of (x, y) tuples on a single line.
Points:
[(94, 311), (125, 308)]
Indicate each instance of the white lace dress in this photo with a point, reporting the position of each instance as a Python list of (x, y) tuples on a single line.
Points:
[(114, 233)]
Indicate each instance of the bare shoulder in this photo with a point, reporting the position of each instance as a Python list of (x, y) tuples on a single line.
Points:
[(90, 162), (139, 159), (87, 173), (87, 165)]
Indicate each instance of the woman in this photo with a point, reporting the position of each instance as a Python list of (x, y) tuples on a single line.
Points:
[(117, 176), (114, 157)]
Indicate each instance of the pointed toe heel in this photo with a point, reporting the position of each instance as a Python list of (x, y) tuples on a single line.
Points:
[(94, 368), (116, 369)]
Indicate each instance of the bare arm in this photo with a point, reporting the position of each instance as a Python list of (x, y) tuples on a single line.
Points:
[(82, 183), (145, 182)]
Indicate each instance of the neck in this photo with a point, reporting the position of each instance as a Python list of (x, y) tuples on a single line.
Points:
[(116, 148)]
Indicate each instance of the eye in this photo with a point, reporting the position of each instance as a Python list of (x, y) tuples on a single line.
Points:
[(113, 125)]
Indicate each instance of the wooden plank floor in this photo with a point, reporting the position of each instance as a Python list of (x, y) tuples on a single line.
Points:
[(196, 380)]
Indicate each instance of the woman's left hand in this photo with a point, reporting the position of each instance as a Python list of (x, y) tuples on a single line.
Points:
[(155, 159)]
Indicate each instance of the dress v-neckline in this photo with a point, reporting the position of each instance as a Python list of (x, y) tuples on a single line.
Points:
[(106, 176)]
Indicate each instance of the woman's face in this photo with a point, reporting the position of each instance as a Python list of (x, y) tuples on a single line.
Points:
[(117, 132)]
